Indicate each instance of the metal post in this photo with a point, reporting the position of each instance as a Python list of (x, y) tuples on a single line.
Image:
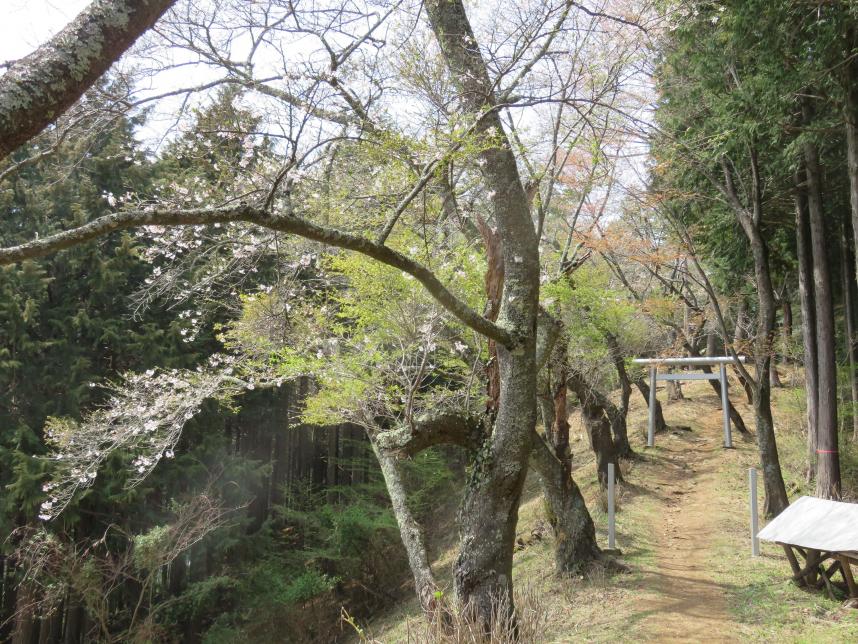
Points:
[(611, 506), (755, 543), (650, 438), (725, 407)]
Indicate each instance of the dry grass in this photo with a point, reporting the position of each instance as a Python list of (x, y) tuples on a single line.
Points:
[(449, 623), (607, 607)]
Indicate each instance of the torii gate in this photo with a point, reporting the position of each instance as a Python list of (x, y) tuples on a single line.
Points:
[(654, 376)]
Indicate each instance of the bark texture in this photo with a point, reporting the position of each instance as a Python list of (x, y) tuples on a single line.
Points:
[(574, 533), (850, 86), (410, 530), (828, 459), (619, 421), (739, 342), (808, 319), (848, 277), (494, 290), (597, 421), (483, 569), (37, 89), (750, 219)]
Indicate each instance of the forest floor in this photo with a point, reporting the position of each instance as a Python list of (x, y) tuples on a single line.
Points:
[(682, 527)]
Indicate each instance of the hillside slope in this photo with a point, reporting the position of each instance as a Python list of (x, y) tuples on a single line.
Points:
[(682, 526)]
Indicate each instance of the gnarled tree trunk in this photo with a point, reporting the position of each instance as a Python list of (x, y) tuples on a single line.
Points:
[(598, 424), (489, 512), (850, 87), (574, 534), (619, 421)]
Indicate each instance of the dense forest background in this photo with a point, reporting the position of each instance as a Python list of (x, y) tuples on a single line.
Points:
[(309, 511), (225, 430)]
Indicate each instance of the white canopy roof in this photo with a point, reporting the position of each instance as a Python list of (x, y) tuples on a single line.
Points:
[(816, 523), (689, 361)]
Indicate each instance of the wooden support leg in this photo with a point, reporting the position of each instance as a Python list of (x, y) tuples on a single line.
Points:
[(845, 567), (809, 572), (793, 562), (826, 580)]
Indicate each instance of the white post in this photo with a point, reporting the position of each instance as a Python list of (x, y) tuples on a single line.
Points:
[(755, 543), (725, 407), (611, 531), (650, 438)]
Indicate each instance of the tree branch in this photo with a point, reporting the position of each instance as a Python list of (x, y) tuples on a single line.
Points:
[(37, 89), (282, 222), (451, 428)]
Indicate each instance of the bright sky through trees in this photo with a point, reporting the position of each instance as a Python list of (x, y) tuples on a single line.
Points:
[(28, 23)]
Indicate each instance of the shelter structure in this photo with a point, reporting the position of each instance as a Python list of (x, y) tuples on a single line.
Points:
[(818, 530), (695, 363)]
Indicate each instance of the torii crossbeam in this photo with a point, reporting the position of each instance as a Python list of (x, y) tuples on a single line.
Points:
[(654, 377)]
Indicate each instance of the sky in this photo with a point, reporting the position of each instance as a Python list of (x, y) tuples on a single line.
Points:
[(25, 24)]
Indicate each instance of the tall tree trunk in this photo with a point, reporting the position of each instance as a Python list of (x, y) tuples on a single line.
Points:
[(850, 86), (50, 627), (494, 289), (280, 450), (574, 534), (619, 426), (786, 329), (808, 319), (599, 432), (73, 622), (489, 511), (598, 424), (739, 337), (7, 597), (410, 530), (546, 401), (741, 320), (560, 429), (71, 627), (828, 459), (849, 325), (331, 462), (25, 622), (776, 497)]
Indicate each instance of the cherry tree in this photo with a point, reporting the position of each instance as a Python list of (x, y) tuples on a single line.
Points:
[(400, 131)]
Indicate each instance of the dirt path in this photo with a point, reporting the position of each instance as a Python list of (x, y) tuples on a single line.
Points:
[(682, 602)]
